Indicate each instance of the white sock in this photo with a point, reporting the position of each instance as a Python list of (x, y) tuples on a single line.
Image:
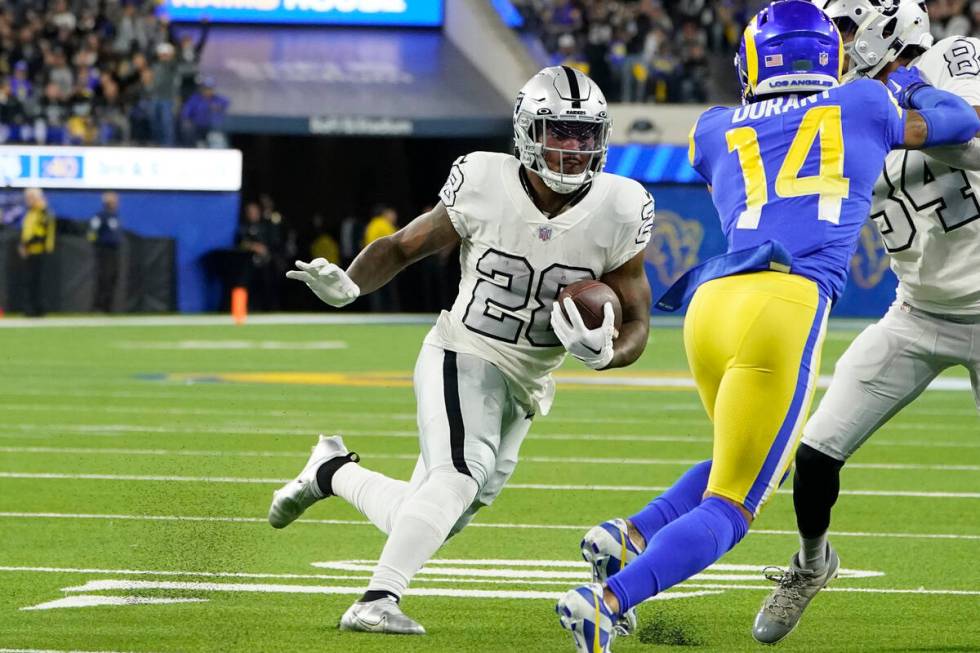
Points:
[(421, 527), (375, 495), (813, 552)]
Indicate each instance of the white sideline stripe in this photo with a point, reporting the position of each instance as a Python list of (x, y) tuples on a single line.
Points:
[(512, 486), (841, 326), (352, 522), (217, 453), (216, 320)]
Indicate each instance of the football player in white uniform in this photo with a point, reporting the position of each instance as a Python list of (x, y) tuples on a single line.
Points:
[(528, 225), (927, 208)]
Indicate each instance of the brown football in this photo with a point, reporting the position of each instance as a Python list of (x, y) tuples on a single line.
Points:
[(590, 296)]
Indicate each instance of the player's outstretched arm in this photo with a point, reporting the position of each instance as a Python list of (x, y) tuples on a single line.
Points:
[(379, 262), (630, 283), (935, 117), (963, 157)]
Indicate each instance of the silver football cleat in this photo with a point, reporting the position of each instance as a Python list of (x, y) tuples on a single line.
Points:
[(782, 610), (380, 616), (293, 498)]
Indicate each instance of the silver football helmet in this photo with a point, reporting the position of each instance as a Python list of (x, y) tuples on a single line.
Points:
[(561, 116), (881, 30)]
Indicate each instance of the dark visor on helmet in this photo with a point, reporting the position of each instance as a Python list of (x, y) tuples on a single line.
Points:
[(584, 132)]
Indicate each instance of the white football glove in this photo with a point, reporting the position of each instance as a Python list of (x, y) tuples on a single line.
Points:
[(594, 347), (327, 281)]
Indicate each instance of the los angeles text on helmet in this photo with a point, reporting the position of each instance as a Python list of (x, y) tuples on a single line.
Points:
[(775, 106)]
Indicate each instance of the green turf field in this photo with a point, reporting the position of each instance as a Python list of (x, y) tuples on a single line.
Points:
[(137, 464)]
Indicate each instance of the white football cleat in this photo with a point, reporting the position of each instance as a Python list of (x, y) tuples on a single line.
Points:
[(608, 548), (293, 498), (584, 614), (380, 616)]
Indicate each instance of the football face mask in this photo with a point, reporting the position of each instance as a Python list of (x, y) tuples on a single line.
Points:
[(571, 150)]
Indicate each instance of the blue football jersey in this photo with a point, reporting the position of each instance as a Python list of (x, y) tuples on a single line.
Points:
[(799, 171)]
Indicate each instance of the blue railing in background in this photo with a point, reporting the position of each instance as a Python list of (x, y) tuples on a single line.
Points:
[(508, 13), (652, 164)]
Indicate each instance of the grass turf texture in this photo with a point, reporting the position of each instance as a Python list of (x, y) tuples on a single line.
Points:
[(84, 402)]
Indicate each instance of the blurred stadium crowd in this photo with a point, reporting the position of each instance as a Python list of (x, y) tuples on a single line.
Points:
[(672, 50), (103, 72)]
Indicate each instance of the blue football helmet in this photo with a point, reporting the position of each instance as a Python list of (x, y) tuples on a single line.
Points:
[(790, 46)]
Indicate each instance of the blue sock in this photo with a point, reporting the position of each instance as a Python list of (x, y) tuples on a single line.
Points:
[(679, 499), (679, 550)]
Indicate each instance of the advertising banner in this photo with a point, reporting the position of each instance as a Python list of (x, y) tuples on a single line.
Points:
[(120, 168)]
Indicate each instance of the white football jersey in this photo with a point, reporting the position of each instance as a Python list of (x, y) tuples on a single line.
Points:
[(929, 213), (514, 262)]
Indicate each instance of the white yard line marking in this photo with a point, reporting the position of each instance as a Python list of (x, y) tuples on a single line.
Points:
[(436, 571), (197, 345), (52, 431), (110, 585), (218, 453), (654, 488), (472, 570), (511, 486), (252, 413), (351, 522), (48, 650), (128, 585), (359, 578), (87, 601), (548, 569)]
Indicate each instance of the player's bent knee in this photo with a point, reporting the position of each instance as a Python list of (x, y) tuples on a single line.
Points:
[(465, 519), (749, 517), (462, 487), (810, 462)]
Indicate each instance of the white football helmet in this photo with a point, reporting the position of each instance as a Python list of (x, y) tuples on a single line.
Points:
[(881, 29), (561, 105)]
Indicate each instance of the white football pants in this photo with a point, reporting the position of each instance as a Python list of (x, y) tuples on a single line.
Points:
[(470, 432), (886, 367)]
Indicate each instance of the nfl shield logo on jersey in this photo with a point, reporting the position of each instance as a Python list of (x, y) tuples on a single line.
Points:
[(544, 233), (824, 58)]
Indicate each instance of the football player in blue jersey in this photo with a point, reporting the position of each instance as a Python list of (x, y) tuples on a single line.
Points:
[(791, 173)]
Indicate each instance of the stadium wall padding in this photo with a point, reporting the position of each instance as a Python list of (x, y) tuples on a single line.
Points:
[(687, 232), (198, 222), (146, 281)]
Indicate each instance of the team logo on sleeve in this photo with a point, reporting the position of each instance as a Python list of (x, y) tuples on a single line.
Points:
[(453, 184), (646, 224)]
